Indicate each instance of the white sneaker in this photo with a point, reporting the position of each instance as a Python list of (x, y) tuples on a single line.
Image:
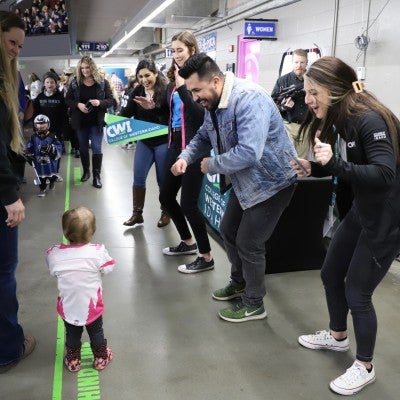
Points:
[(353, 380), (323, 340), (42, 193)]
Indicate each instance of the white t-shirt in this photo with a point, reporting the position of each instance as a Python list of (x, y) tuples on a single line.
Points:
[(35, 89), (78, 270)]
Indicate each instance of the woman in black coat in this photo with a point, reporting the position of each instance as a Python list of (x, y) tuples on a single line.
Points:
[(88, 97), (356, 140)]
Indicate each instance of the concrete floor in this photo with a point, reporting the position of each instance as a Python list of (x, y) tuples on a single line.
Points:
[(163, 327)]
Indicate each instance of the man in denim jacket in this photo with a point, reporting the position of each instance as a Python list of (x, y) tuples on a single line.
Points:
[(252, 150)]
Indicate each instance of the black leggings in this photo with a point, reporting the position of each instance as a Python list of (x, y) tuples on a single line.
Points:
[(74, 334), (190, 184), (350, 275)]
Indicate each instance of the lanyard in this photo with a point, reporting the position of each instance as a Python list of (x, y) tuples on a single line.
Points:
[(336, 154)]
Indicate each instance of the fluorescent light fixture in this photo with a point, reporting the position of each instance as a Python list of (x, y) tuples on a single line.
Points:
[(140, 25), (14, 3)]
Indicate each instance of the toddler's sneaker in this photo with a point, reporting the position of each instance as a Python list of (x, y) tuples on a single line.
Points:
[(72, 359), (181, 249), (353, 380), (102, 357), (42, 193), (323, 340)]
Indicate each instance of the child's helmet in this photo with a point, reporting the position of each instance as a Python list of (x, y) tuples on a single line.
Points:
[(41, 119)]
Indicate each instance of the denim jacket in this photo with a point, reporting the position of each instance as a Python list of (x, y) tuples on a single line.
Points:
[(256, 148)]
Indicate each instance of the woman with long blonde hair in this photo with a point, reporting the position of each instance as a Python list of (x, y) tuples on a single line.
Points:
[(14, 345), (88, 98)]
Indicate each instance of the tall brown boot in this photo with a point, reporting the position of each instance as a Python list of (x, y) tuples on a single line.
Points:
[(138, 196), (164, 218)]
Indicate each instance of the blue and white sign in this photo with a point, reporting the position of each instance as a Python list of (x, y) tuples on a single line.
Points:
[(260, 29), (208, 42)]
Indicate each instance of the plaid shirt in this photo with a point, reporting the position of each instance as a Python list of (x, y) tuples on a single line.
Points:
[(118, 85)]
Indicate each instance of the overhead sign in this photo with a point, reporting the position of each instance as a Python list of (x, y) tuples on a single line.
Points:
[(93, 46), (260, 29)]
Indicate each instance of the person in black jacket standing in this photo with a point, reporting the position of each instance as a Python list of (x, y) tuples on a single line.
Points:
[(293, 108), (186, 117), (88, 98), (51, 102), (14, 343), (148, 102), (355, 138)]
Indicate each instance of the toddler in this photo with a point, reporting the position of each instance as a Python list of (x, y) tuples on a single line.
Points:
[(44, 149), (78, 268)]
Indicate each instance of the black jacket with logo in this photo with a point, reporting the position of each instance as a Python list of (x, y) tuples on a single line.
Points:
[(373, 176)]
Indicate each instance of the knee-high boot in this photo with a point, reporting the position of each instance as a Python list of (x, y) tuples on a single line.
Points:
[(85, 166), (96, 161), (138, 196), (164, 218)]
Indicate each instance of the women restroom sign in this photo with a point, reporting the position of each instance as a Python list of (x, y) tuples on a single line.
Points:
[(260, 29)]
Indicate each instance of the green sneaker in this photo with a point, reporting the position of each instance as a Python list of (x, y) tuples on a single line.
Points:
[(230, 291), (241, 313)]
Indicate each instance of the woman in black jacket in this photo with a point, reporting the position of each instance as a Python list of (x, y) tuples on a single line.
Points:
[(88, 98), (186, 116), (14, 344), (356, 140), (148, 102)]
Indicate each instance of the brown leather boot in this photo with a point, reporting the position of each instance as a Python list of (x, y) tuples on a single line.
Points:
[(138, 195), (164, 220)]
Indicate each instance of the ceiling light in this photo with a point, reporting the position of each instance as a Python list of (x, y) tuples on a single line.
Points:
[(140, 25)]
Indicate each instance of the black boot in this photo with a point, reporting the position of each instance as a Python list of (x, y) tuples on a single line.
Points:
[(96, 162), (85, 165)]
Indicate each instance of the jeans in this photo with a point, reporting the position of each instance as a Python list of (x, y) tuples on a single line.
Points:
[(11, 333), (245, 233), (144, 158), (73, 334), (190, 184), (350, 276), (92, 133)]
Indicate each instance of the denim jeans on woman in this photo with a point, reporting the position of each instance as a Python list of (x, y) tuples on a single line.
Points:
[(11, 333), (92, 133), (145, 157)]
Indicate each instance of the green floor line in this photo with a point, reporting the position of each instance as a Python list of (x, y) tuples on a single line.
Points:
[(77, 176), (58, 364), (82, 383)]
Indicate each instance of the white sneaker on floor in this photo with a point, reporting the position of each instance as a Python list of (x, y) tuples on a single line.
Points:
[(353, 380), (323, 340)]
